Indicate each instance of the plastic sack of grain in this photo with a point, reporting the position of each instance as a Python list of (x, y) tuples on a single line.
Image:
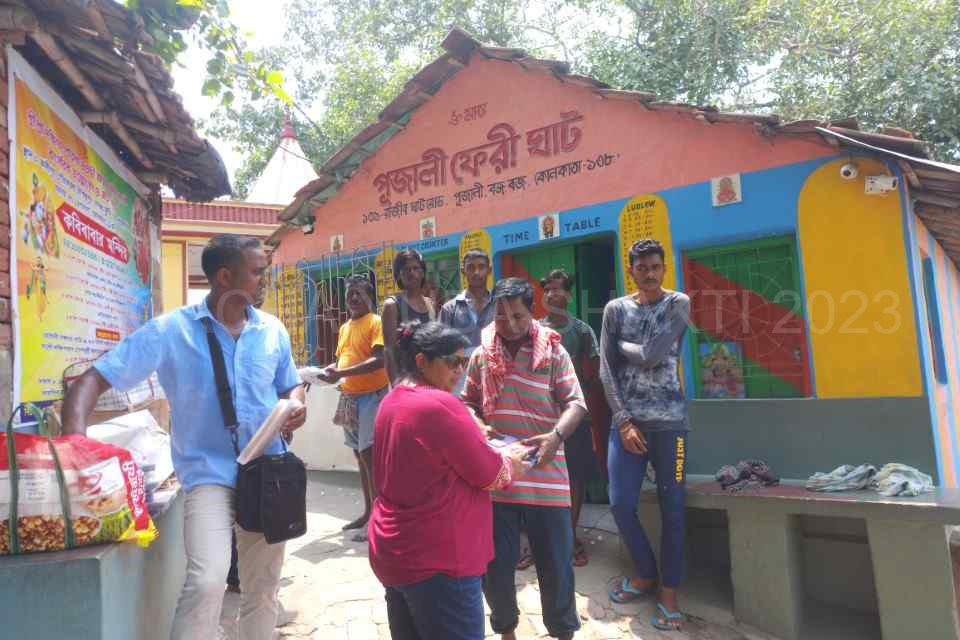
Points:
[(46, 482)]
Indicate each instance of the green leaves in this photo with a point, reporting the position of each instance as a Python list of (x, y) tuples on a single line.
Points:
[(232, 65), (881, 61), (211, 87)]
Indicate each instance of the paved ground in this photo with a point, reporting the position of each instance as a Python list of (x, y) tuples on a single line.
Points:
[(329, 593)]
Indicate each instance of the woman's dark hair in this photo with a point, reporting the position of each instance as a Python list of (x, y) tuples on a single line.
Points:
[(565, 279), (646, 247), (432, 339), (400, 260), (513, 288)]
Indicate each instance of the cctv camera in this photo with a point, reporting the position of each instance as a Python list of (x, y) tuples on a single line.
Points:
[(849, 171)]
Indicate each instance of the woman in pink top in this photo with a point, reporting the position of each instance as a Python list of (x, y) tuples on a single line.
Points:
[(431, 532)]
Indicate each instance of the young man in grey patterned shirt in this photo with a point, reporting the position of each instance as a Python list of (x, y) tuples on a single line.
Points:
[(640, 348)]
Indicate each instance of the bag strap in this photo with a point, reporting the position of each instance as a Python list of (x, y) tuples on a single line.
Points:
[(70, 538), (13, 519), (224, 392), (14, 485)]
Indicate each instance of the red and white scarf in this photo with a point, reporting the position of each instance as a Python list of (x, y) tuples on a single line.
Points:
[(545, 342)]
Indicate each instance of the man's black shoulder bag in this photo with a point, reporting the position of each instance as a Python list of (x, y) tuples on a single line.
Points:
[(271, 493)]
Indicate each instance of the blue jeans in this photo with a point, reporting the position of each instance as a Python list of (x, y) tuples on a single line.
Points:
[(438, 608), (551, 542), (668, 452)]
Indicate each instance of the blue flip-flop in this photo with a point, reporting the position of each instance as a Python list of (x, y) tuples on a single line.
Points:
[(671, 622), (625, 592)]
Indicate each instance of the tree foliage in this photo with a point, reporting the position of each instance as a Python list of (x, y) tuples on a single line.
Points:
[(888, 62), (232, 66), (683, 50), (885, 62)]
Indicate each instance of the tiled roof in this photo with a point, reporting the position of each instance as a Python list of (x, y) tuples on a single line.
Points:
[(221, 211), (96, 55)]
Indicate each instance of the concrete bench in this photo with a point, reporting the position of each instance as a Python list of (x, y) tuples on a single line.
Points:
[(908, 545)]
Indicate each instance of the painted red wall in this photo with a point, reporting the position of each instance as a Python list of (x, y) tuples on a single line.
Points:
[(653, 150)]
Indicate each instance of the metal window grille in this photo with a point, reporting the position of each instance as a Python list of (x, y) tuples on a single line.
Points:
[(747, 309)]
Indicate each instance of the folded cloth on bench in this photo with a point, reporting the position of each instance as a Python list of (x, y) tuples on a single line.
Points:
[(844, 478), (896, 479), (746, 473)]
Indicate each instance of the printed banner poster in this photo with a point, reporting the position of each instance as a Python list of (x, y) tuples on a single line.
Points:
[(81, 249)]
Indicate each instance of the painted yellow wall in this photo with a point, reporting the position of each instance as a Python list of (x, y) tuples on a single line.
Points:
[(270, 300), (855, 264), (174, 293)]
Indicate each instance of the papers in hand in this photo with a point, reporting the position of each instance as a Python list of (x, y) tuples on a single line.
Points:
[(268, 430), (502, 440), (312, 375), (506, 444)]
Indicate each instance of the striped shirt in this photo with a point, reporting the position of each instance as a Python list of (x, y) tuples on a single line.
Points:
[(529, 405)]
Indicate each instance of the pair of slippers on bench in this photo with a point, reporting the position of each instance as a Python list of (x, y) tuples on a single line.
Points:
[(622, 592)]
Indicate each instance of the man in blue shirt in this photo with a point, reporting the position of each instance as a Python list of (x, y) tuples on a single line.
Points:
[(260, 369), (472, 310)]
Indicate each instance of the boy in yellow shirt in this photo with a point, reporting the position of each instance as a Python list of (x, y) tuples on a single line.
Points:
[(363, 384)]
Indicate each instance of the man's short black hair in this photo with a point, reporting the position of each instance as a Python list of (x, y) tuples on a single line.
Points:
[(513, 288), (475, 253), (646, 247), (561, 275), (225, 250), (360, 281)]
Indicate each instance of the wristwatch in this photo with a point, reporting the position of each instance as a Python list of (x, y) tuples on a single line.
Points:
[(556, 430)]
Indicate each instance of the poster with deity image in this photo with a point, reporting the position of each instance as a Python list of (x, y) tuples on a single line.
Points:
[(81, 268), (721, 370)]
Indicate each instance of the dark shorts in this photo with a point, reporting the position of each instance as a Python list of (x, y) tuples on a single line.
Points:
[(582, 463)]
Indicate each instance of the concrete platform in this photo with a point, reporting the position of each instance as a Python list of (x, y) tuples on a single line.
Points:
[(103, 592)]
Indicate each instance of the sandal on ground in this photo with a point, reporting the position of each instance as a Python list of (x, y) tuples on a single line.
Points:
[(622, 592), (580, 557), (525, 561), (666, 621)]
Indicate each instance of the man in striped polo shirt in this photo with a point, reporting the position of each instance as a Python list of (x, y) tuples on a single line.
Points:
[(521, 382)]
